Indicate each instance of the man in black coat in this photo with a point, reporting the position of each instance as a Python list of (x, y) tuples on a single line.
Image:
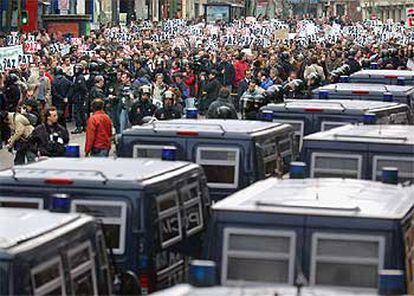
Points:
[(12, 92), (226, 69), (78, 96), (211, 89), (60, 90), (243, 86), (50, 137)]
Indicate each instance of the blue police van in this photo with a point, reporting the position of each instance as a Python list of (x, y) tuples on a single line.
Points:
[(360, 151), (153, 212), (396, 77), (311, 116), (43, 253), (363, 91), (233, 153), (327, 232)]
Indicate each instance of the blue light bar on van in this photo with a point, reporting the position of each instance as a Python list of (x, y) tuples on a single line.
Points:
[(72, 150), (391, 282), (388, 97), (191, 113), (267, 115), (390, 175), (373, 66), (323, 94), (202, 273), (369, 118), (59, 202), (297, 170), (344, 79), (400, 80), (143, 262), (169, 153)]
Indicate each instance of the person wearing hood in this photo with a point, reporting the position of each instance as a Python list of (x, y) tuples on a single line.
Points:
[(222, 107)]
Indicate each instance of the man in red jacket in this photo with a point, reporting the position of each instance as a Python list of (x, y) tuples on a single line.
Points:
[(240, 67), (98, 131)]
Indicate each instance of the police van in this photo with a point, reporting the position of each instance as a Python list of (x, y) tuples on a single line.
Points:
[(233, 153), (396, 77), (311, 116), (362, 91), (324, 232), (153, 212), (43, 253), (360, 151)]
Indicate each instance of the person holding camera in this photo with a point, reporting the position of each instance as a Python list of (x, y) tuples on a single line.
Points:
[(50, 137)]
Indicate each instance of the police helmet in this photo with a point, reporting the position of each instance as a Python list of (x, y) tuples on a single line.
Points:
[(93, 67), (168, 95), (79, 68), (13, 78), (145, 89)]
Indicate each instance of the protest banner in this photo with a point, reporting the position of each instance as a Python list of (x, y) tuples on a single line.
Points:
[(9, 56)]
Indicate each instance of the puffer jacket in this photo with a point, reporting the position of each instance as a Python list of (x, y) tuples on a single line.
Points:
[(20, 127)]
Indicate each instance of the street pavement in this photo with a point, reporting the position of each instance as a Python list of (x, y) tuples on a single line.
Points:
[(6, 158)]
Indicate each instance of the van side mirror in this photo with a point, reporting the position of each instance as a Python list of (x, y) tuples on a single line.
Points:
[(128, 284)]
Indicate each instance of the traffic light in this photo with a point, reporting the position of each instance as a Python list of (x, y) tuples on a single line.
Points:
[(24, 17)]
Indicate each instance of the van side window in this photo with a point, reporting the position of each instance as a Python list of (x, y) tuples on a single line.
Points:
[(147, 151), (221, 166), (327, 125), (336, 165), (346, 260), (299, 130), (21, 202), (270, 157), (257, 255), (169, 218), (405, 167), (113, 215), (48, 279), (193, 208), (82, 270)]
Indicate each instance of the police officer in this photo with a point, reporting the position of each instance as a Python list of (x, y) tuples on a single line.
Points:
[(97, 91), (170, 110), (90, 83), (78, 96), (142, 107), (222, 107), (60, 90)]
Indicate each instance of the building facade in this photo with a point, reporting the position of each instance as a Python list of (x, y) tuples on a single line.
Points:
[(386, 9)]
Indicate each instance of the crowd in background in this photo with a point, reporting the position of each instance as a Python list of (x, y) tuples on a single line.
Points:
[(121, 76)]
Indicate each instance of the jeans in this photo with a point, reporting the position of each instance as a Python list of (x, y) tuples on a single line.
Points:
[(123, 120), (99, 152)]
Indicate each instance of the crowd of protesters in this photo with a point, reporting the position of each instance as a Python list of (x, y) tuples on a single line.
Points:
[(125, 81)]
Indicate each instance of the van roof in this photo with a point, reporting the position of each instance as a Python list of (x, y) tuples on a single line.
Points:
[(208, 128), (18, 226), (390, 134), (353, 107), (367, 88), (384, 74), (106, 170), (264, 290), (322, 197)]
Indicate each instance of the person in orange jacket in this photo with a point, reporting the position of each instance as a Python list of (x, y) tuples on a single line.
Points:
[(98, 131)]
